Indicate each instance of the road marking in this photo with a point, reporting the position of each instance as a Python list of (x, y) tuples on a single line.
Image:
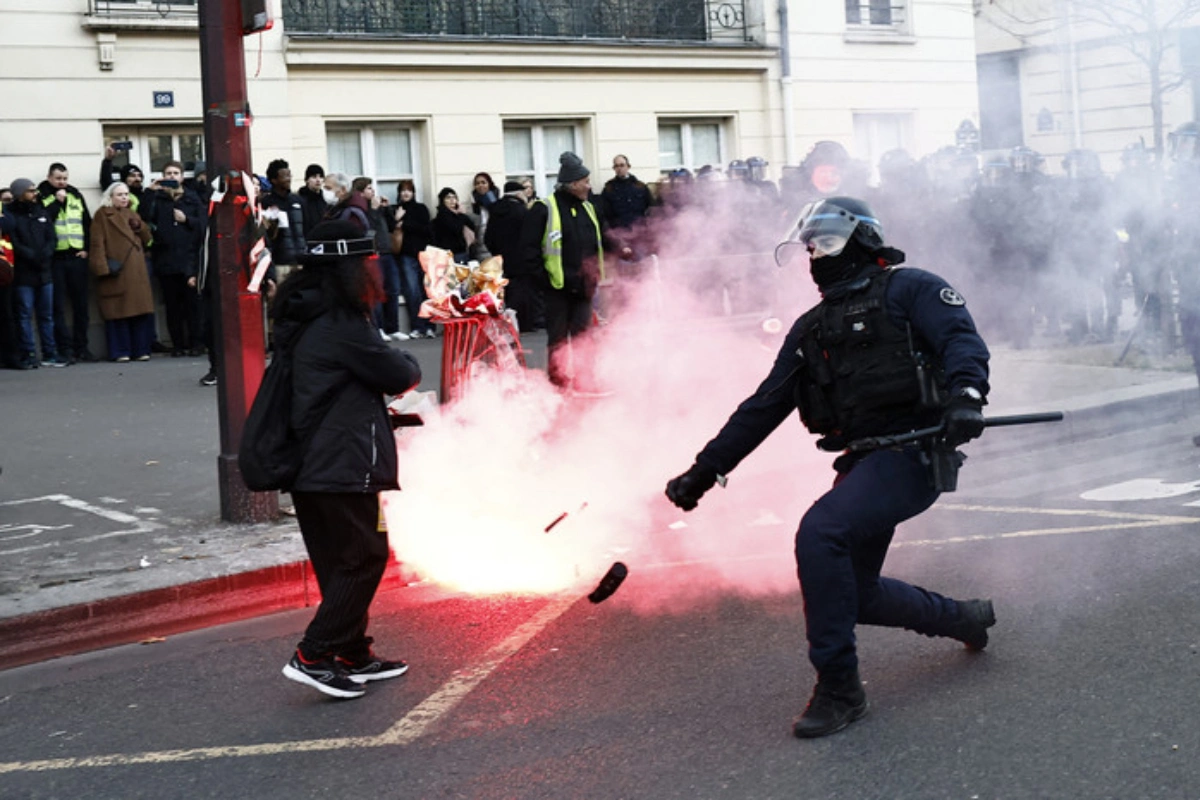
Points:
[(139, 525), (410, 728)]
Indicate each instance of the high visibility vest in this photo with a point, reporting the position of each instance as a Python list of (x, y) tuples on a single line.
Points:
[(68, 227), (552, 241)]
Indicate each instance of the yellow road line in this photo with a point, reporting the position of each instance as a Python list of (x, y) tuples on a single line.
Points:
[(407, 730)]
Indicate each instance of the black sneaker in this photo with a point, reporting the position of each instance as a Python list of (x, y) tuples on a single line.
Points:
[(834, 705), (372, 668), (326, 675), (974, 618), (210, 379)]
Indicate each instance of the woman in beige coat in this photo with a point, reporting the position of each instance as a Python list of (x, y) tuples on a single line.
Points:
[(117, 258)]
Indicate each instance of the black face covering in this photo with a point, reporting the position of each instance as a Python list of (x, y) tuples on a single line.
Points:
[(831, 270)]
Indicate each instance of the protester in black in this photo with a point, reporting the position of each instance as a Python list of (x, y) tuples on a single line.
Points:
[(342, 370)]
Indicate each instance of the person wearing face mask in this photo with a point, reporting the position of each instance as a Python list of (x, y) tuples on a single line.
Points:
[(345, 204), (885, 351)]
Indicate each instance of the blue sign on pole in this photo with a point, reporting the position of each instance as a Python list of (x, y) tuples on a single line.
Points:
[(164, 99)]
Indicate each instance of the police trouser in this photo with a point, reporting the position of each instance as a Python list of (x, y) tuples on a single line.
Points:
[(840, 548), (71, 277), (349, 555)]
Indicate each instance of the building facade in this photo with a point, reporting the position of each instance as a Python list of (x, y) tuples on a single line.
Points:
[(1057, 75), (436, 91)]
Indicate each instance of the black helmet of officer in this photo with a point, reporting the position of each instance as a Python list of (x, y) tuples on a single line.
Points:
[(832, 228), (1082, 164), (896, 166), (1025, 160), (738, 170), (758, 168), (1183, 143)]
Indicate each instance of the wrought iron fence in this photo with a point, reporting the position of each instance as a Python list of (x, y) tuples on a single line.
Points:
[(664, 20), (145, 9)]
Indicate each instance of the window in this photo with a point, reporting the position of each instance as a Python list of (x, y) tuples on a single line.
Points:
[(531, 150), (154, 147), (875, 134), (689, 144), (385, 153), (889, 16)]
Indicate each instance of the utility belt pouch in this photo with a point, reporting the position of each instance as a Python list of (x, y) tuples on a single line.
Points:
[(944, 463)]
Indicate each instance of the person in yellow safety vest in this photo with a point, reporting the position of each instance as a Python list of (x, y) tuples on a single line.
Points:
[(566, 229), (72, 226)]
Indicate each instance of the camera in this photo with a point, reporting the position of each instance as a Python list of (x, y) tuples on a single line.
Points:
[(122, 146), (168, 184)]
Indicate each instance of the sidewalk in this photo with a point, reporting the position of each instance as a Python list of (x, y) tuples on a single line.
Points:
[(83, 567)]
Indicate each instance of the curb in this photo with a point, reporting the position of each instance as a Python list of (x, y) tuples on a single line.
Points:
[(131, 618)]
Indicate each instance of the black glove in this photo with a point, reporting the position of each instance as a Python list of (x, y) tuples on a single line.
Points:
[(686, 490), (963, 418)]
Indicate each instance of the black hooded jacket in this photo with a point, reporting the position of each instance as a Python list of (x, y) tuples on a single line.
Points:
[(33, 240), (343, 369)]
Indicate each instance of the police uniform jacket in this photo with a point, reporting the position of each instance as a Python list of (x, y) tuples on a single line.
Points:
[(939, 322), (342, 370)]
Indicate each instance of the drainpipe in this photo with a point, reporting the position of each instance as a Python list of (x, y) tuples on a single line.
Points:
[(1076, 111), (785, 87)]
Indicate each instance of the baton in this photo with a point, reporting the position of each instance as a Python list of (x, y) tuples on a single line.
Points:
[(877, 442)]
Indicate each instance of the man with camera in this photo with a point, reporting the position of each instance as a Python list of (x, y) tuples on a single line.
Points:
[(177, 218)]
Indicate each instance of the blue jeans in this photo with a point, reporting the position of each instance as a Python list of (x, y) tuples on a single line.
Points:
[(412, 284), (840, 548), (387, 313), (39, 300)]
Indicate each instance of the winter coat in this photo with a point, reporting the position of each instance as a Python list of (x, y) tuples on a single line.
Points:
[(625, 202), (416, 228), (342, 371), (33, 241), (353, 208), (314, 207), (447, 230), (503, 235), (176, 248), (286, 244), (48, 194), (128, 293)]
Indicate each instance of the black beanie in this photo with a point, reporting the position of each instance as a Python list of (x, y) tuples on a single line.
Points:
[(314, 169), (513, 186), (572, 168)]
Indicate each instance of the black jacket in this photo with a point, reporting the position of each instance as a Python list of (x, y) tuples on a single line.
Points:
[(503, 234), (580, 248), (448, 229), (33, 241), (287, 244), (176, 246), (416, 228), (342, 371), (314, 207), (625, 201)]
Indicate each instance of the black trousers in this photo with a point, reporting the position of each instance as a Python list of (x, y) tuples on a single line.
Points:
[(71, 277), (568, 315), (349, 555)]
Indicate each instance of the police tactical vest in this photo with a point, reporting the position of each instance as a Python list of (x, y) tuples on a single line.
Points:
[(863, 375)]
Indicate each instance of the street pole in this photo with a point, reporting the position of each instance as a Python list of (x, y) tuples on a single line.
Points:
[(237, 317)]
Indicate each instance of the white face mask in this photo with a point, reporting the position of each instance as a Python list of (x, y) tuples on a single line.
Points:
[(329, 196)]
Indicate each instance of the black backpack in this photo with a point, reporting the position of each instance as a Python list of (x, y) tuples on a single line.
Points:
[(271, 452)]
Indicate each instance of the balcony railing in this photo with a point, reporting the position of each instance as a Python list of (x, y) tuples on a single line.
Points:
[(144, 9), (617, 20)]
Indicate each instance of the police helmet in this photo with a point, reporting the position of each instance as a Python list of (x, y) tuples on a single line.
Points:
[(826, 226), (709, 173), (896, 165), (1183, 143), (1025, 160), (738, 170), (758, 167), (1080, 163), (1135, 156)]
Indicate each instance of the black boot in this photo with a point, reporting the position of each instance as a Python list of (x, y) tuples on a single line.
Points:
[(974, 618), (836, 702)]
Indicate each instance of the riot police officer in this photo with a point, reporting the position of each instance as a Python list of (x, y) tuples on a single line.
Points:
[(853, 365)]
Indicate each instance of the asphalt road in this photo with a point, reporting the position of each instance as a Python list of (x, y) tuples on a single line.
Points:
[(1088, 689)]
